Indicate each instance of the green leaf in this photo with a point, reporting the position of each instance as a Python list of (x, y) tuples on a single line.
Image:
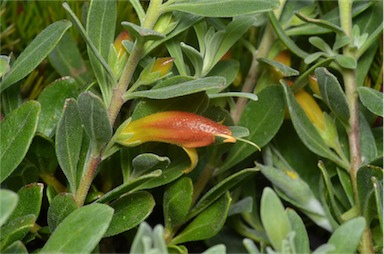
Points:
[(233, 32), (67, 60), (101, 22), (371, 99), (68, 142), (130, 211), (81, 231), (306, 130), (274, 218), (146, 162), (288, 42), (347, 62), (285, 70), (301, 239), (332, 94), (15, 230), (365, 188), (367, 141), (4, 65), (206, 224), (61, 206), (354, 230), (52, 100), (228, 69), (194, 56), (30, 199), (35, 53), (16, 247), (223, 8), (220, 189), (243, 206), (177, 201), (141, 33), (181, 89), (128, 186), (320, 44), (8, 203), (320, 22), (95, 119), (263, 119), (217, 249), (148, 241), (16, 133)]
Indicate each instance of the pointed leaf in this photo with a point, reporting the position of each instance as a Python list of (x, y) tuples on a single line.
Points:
[(130, 211), (16, 247), (305, 129), (301, 239), (146, 162), (263, 119), (16, 133), (223, 8), (8, 203), (354, 230), (282, 68), (332, 94), (68, 142), (61, 206), (372, 100), (142, 33), (177, 201), (220, 189), (15, 230), (181, 89), (206, 224), (52, 100), (95, 119), (101, 22), (35, 52), (90, 223), (274, 218), (30, 199)]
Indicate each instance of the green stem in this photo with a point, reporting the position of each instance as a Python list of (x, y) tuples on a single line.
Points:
[(349, 77), (86, 181), (254, 70), (51, 180)]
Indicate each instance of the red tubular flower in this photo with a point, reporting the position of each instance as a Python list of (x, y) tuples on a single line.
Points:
[(186, 130), (120, 50)]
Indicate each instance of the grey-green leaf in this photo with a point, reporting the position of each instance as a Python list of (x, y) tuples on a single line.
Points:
[(52, 100), (354, 230), (95, 119), (305, 129), (15, 230), (35, 53), (220, 189), (263, 119), (68, 142), (177, 201), (181, 89), (207, 223), (8, 203), (16, 247), (282, 68), (301, 239), (81, 231), (332, 94), (223, 8), (61, 206), (274, 218), (371, 99), (16, 132), (130, 211), (30, 199)]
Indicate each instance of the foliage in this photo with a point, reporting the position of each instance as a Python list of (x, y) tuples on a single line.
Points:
[(130, 146)]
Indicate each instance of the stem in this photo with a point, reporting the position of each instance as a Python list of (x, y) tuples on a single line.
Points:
[(86, 181), (254, 70), (349, 77), (50, 179)]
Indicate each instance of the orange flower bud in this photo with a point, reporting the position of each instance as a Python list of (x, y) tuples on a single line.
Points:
[(163, 65), (120, 50), (186, 130)]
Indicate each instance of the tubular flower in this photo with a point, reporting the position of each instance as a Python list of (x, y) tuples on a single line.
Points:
[(186, 130), (120, 50)]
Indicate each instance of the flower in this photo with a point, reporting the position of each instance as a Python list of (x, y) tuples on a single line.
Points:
[(183, 129), (311, 109), (118, 43)]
